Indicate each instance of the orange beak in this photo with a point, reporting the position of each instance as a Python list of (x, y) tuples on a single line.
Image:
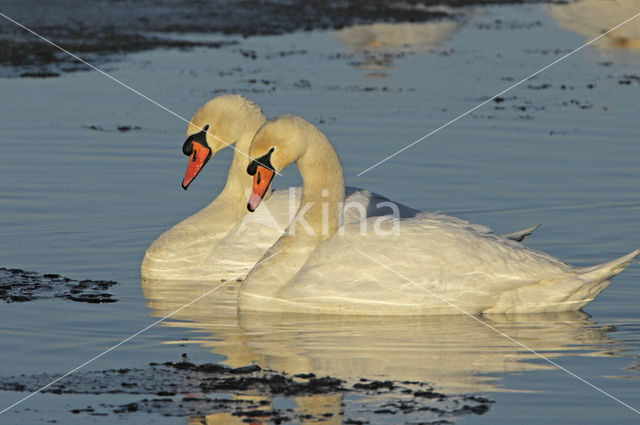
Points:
[(261, 181), (199, 157)]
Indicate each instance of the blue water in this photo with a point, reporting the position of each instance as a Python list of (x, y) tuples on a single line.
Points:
[(86, 204)]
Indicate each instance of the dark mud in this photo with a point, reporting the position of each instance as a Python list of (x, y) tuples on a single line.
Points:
[(628, 79), (188, 389), (20, 286), (101, 30), (524, 107), (120, 128)]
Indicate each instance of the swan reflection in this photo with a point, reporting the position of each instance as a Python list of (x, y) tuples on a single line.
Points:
[(324, 406), (591, 18), (375, 45), (455, 353), (398, 38)]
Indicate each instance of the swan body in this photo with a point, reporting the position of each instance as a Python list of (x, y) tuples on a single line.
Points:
[(221, 241), (419, 265), (207, 246), (198, 246)]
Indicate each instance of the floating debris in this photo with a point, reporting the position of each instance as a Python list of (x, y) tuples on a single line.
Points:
[(187, 389), (20, 286)]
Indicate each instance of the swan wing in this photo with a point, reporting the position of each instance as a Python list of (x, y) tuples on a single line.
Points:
[(425, 265)]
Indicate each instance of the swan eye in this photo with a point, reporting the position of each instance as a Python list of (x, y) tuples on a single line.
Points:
[(187, 147)]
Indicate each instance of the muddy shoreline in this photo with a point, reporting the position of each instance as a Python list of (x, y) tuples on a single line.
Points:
[(18, 285), (101, 31), (178, 389)]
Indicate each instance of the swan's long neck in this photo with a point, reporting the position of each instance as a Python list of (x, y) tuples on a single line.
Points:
[(322, 190), (232, 200), (317, 219), (238, 181)]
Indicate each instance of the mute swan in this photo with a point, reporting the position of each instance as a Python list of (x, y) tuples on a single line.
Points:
[(203, 246), (318, 267), (220, 241)]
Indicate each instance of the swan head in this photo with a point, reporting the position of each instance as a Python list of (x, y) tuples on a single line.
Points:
[(276, 145), (218, 124)]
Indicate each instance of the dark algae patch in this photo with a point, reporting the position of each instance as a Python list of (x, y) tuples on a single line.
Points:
[(20, 286), (120, 128), (99, 29), (253, 394)]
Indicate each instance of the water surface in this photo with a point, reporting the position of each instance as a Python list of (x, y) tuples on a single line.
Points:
[(83, 198)]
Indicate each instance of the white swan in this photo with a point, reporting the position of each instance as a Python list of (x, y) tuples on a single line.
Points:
[(320, 268), (221, 241), (205, 245)]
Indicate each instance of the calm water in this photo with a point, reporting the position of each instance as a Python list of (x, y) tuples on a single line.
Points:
[(561, 150)]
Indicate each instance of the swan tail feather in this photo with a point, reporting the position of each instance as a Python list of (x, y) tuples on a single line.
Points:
[(567, 293), (521, 235), (609, 269), (590, 281)]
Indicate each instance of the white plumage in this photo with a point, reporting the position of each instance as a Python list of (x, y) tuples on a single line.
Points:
[(430, 264), (222, 241)]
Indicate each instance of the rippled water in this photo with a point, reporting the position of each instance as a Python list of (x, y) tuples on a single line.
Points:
[(561, 150)]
